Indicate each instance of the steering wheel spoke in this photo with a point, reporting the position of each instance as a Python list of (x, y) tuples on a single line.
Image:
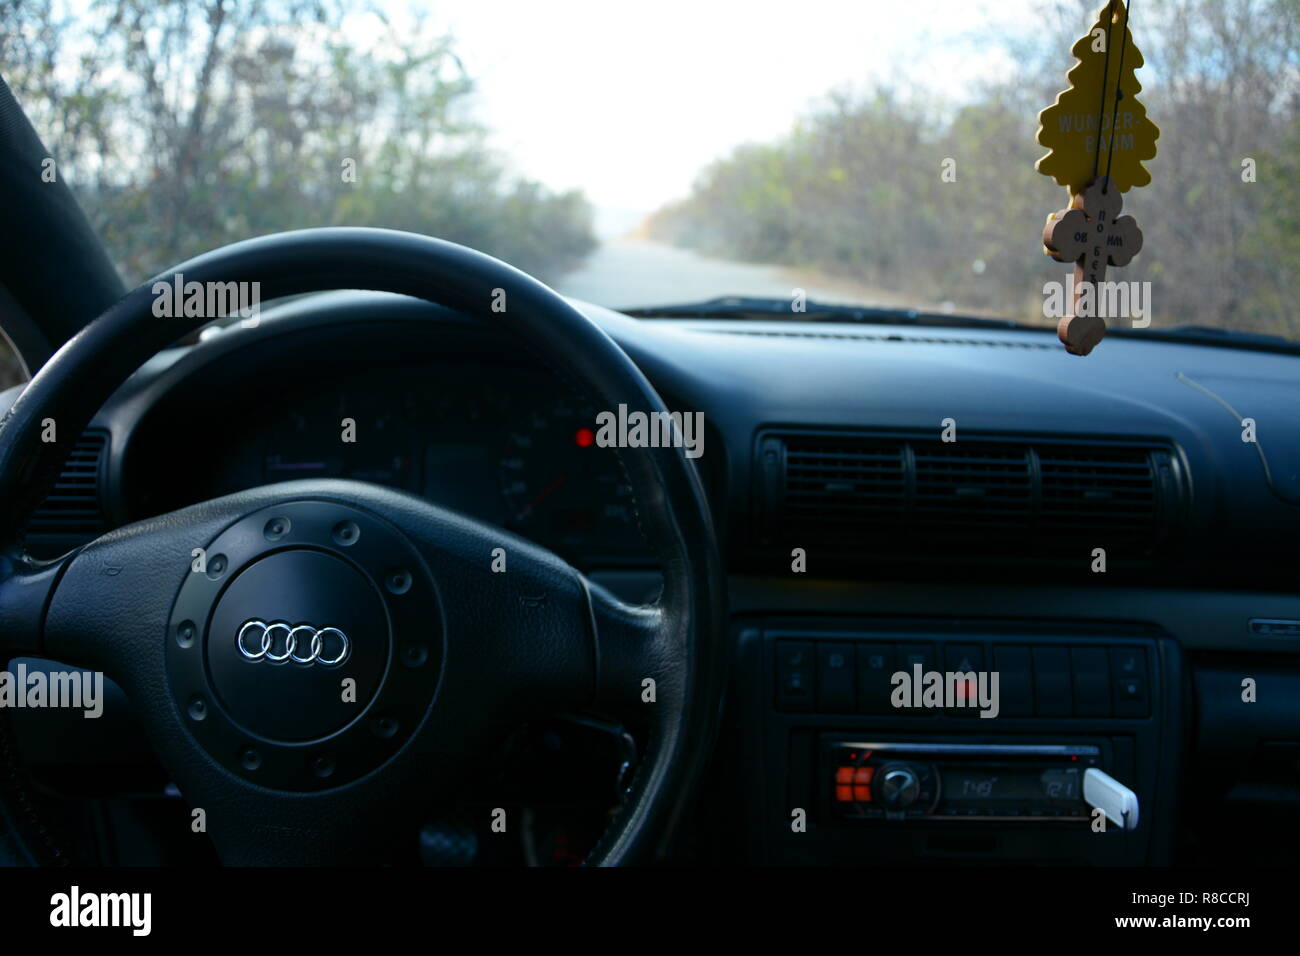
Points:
[(25, 589), (638, 658)]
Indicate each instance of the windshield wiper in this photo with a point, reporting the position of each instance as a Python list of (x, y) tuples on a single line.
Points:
[(739, 307)]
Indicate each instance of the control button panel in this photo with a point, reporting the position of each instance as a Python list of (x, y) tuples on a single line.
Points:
[(1035, 679)]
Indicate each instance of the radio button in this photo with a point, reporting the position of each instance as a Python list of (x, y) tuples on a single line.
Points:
[(965, 658), (1015, 681), (876, 666), (835, 666), (794, 675), (1052, 682), (1091, 681), (1128, 671), (910, 657)]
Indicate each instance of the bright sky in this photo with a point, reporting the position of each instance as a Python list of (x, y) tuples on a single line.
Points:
[(629, 101)]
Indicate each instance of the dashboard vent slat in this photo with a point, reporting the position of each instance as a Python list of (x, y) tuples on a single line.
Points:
[(74, 505)]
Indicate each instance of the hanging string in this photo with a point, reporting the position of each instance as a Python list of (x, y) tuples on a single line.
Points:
[(1105, 75), (1110, 150)]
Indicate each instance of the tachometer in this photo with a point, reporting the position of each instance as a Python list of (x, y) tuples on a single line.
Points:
[(564, 491)]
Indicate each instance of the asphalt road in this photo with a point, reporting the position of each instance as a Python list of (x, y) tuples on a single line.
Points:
[(624, 273)]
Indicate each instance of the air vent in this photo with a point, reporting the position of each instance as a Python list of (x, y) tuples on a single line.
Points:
[(74, 505), (1111, 492), (892, 495), (972, 487), (836, 484)]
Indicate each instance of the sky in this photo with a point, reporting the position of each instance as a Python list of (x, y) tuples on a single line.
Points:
[(628, 102)]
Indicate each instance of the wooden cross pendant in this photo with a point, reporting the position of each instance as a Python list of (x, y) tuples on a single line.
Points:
[(1091, 234)]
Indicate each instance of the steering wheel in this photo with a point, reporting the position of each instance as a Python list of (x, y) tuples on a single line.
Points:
[(332, 661)]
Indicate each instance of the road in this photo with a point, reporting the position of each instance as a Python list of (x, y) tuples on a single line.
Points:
[(624, 273)]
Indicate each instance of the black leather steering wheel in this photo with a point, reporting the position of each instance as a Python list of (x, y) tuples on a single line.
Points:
[(443, 653)]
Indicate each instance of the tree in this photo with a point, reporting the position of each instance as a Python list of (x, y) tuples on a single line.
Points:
[(186, 124)]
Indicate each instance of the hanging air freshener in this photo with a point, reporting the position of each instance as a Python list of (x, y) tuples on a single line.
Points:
[(1097, 135)]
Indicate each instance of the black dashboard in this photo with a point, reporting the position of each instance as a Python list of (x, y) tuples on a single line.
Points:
[(880, 491)]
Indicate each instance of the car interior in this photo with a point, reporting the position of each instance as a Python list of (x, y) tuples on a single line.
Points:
[(505, 622)]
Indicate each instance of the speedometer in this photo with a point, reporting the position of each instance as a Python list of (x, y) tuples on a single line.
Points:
[(564, 491)]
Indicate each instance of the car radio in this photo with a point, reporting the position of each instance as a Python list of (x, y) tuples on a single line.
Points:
[(959, 782)]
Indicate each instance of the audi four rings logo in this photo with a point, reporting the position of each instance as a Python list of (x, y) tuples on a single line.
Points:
[(279, 641)]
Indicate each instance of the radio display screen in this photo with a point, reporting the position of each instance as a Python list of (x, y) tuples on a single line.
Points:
[(1009, 786)]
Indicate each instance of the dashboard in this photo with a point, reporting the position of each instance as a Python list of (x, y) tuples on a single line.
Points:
[(857, 538)]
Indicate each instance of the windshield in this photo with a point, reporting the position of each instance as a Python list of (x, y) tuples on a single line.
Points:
[(638, 156)]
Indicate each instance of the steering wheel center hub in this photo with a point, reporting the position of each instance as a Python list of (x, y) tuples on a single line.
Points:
[(297, 646), (305, 645)]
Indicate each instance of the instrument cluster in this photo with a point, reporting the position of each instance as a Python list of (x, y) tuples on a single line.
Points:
[(507, 445)]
